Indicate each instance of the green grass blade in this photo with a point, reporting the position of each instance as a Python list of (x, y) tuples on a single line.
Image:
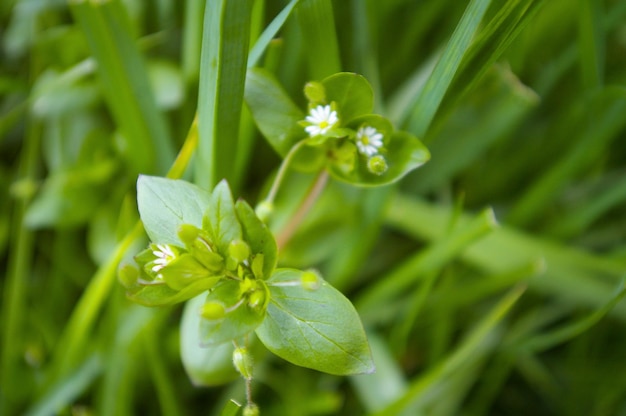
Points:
[(225, 40), (591, 40), (125, 85), (572, 274), (269, 33), (566, 332), (20, 258), (493, 40), (469, 350), (320, 39), (606, 109), (192, 41), (69, 389), (424, 262), (431, 96)]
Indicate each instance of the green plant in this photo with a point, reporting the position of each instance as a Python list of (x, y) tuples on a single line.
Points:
[(488, 281)]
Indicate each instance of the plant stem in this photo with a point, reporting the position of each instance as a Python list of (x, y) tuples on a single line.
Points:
[(292, 225), (282, 170)]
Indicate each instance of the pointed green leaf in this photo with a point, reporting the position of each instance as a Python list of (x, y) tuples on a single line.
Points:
[(239, 320), (352, 94), (273, 111), (166, 204), (404, 152), (209, 365), (318, 329), (220, 220), (258, 237), (182, 271)]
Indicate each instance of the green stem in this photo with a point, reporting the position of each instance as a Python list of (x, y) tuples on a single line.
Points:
[(20, 259), (314, 193), (282, 170)]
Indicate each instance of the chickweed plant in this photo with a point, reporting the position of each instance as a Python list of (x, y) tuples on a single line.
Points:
[(312, 207)]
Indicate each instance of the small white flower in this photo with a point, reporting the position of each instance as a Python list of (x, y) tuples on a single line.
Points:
[(164, 254), (368, 140), (322, 119)]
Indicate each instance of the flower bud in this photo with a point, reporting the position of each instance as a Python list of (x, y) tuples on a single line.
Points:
[(315, 92), (212, 311), (264, 210), (256, 300), (377, 165), (242, 360), (251, 409), (188, 233), (239, 250)]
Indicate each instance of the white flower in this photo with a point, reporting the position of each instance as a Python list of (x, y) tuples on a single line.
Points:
[(164, 254), (368, 140), (322, 119)]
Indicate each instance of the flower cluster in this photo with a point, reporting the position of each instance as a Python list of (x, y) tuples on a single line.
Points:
[(323, 122)]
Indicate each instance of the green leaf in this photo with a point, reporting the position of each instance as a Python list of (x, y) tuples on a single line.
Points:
[(318, 329), (352, 94), (404, 152), (274, 113), (161, 295), (220, 219), (208, 365), (240, 318), (258, 236), (166, 204), (184, 270)]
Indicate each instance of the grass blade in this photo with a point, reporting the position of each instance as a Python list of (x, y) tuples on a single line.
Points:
[(320, 39), (225, 40), (431, 96), (124, 81)]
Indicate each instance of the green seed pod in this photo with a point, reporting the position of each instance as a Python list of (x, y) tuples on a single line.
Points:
[(212, 311), (239, 250), (242, 360), (310, 280), (377, 165), (251, 409)]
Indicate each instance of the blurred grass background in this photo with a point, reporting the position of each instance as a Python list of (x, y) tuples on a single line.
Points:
[(489, 280)]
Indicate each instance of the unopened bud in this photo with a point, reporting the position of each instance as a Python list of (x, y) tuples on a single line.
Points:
[(188, 233), (377, 165), (242, 360), (315, 92), (239, 250), (251, 409), (264, 210), (212, 311)]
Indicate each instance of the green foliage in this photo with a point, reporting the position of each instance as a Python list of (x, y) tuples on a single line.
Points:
[(486, 274), (317, 328)]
